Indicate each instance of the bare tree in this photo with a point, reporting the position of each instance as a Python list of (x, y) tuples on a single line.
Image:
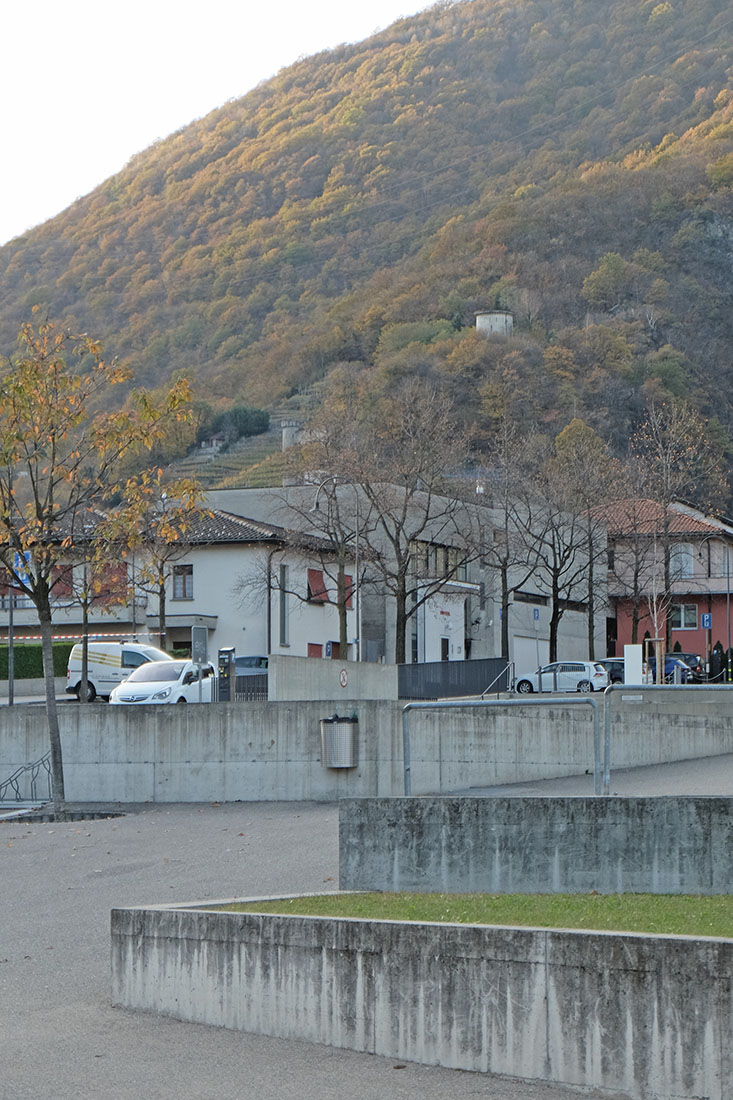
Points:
[(682, 458), (504, 547), (397, 447), (585, 473), (556, 526)]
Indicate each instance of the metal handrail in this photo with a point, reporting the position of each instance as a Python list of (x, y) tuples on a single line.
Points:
[(510, 679), (586, 700), (613, 689), (35, 769)]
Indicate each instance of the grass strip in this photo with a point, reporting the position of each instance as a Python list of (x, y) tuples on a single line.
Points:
[(657, 914)]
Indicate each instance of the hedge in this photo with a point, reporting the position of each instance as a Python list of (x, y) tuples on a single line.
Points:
[(28, 660)]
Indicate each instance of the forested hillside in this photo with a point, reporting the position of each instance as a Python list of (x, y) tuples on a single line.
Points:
[(569, 159)]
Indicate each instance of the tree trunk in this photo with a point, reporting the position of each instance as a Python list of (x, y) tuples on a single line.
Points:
[(161, 610), (505, 612), (591, 615), (400, 624), (84, 685), (341, 597), (554, 620), (54, 736)]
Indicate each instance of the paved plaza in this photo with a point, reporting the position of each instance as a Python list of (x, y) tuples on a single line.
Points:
[(59, 1035)]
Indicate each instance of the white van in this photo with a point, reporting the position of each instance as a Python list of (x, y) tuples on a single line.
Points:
[(108, 664)]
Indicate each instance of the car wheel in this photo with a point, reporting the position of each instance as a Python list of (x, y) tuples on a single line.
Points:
[(524, 687), (181, 700), (91, 692), (585, 686)]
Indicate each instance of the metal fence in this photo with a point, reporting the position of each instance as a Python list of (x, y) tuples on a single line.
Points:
[(450, 679), (251, 689)]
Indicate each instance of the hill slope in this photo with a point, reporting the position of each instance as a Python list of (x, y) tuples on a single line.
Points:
[(572, 160)]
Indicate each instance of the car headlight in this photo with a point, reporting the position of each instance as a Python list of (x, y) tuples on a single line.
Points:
[(163, 694)]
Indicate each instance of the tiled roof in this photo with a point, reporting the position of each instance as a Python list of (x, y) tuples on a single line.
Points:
[(214, 526), (211, 525), (646, 517)]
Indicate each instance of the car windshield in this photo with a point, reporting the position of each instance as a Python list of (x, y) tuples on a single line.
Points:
[(156, 671), (154, 654)]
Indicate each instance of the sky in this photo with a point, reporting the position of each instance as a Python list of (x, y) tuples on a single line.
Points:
[(86, 84)]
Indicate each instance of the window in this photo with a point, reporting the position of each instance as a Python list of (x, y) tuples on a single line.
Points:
[(530, 597), (683, 616), (317, 591), (681, 560), (182, 582), (131, 659)]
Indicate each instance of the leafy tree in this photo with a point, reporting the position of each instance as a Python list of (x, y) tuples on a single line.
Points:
[(609, 284), (240, 421), (58, 460), (155, 523)]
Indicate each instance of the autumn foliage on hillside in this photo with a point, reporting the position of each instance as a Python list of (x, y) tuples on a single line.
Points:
[(571, 161)]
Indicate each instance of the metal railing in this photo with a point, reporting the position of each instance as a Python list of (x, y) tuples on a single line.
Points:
[(650, 689), (506, 676), (452, 704), (250, 689), (31, 771)]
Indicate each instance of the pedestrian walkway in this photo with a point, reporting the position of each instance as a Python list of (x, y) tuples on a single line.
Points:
[(711, 775), (60, 1036)]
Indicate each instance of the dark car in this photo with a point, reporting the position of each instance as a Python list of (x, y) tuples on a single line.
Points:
[(672, 662), (696, 665), (250, 666), (614, 666)]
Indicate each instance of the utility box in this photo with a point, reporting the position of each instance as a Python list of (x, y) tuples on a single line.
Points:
[(226, 675), (339, 742)]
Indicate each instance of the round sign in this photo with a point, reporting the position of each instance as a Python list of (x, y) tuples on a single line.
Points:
[(343, 677)]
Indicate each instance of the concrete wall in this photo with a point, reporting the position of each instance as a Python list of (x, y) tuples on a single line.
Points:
[(272, 751), (37, 686), (308, 678), (537, 845), (648, 1017)]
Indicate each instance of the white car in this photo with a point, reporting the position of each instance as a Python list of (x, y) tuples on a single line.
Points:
[(167, 682), (582, 676)]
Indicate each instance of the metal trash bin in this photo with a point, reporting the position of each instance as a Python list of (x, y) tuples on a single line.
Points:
[(339, 742)]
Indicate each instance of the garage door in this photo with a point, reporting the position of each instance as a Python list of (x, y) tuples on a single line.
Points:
[(530, 653)]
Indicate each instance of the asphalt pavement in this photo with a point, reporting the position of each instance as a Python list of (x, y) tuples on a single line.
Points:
[(60, 1037)]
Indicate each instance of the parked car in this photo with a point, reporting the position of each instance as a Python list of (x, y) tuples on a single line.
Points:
[(167, 682), (582, 676), (250, 666), (672, 663), (696, 665), (614, 666), (108, 664)]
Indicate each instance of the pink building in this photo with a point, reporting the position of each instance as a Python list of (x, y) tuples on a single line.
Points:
[(669, 576)]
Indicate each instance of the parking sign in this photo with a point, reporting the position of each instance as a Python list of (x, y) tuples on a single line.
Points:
[(706, 620)]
